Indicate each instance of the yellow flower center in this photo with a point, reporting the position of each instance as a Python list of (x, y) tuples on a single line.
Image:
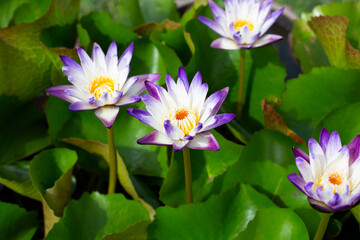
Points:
[(184, 118), (336, 178), (100, 85), (240, 23)]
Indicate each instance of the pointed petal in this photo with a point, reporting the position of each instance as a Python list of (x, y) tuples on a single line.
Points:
[(300, 153), (204, 141), (152, 90), (145, 117), (317, 159), (214, 102), (217, 120), (193, 132), (155, 138), (139, 85), (111, 56), (354, 149), (124, 60), (304, 169), (270, 20), (98, 58), (225, 43), (107, 114), (266, 39), (298, 182), (212, 25), (126, 100), (320, 206), (86, 63), (309, 189), (183, 78), (179, 145), (324, 139), (79, 106), (59, 91), (172, 131), (334, 145)]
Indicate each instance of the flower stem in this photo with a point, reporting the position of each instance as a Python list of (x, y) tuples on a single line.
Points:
[(322, 226), (187, 169), (112, 160), (241, 84)]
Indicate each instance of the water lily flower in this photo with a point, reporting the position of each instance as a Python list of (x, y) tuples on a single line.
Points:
[(330, 174), (182, 116), (100, 82), (243, 24)]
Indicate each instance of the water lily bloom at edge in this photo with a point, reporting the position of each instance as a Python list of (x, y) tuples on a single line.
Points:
[(182, 116), (330, 174), (100, 82), (243, 24)]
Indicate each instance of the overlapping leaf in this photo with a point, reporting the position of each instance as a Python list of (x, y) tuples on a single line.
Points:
[(22, 52), (95, 215), (16, 223), (310, 97), (265, 164), (307, 46), (224, 217)]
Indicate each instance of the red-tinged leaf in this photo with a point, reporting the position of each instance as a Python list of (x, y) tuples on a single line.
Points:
[(274, 121)]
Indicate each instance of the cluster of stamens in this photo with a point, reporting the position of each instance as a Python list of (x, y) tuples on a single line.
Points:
[(100, 85), (184, 118)]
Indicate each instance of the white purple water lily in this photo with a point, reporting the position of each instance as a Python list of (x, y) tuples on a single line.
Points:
[(101, 82), (243, 24), (182, 116), (330, 174)]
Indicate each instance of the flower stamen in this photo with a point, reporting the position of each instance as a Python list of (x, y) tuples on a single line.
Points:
[(184, 118), (100, 85), (336, 178), (241, 23)]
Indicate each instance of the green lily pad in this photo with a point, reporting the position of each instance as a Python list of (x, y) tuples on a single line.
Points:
[(342, 119), (23, 52), (95, 215), (275, 223), (25, 132), (51, 173), (16, 223), (265, 164), (310, 97), (221, 217)]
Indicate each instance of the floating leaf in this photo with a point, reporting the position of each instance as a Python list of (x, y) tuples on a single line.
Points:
[(25, 132), (221, 217), (275, 223), (265, 164), (342, 119), (310, 97), (123, 174), (136, 231), (23, 52), (103, 30), (95, 215), (218, 161), (51, 173), (16, 223)]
